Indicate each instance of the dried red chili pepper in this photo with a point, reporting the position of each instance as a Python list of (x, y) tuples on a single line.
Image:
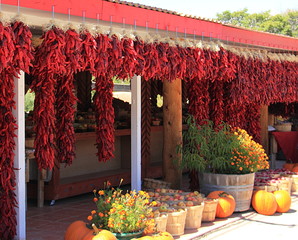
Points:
[(66, 99), (49, 64)]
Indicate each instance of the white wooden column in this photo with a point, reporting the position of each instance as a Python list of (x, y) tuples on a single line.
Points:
[(136, 181), (19, 160)]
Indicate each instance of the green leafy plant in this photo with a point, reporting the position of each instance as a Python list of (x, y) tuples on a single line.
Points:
[(220, 149)]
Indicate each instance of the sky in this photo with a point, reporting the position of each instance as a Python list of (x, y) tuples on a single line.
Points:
[(209, 8)]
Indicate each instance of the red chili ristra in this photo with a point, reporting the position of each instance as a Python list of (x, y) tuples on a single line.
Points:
[(49, 63)]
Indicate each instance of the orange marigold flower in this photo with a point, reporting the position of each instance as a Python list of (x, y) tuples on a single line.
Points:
[(101, 192), (93, 212), (89, 218), (100, 214), (95, 199)]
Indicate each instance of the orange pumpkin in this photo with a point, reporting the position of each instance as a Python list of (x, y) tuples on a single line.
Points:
[(283, 199), (77, 231), (226, 203), (295, 168), (288, 166), (264, 202)]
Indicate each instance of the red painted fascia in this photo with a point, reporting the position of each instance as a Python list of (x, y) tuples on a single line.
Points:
[(119, 13)]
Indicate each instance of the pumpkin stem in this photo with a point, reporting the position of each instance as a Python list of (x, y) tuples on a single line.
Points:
[(96, 230)]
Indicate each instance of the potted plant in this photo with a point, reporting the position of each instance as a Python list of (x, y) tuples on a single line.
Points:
[(126, 215), (224, 157)]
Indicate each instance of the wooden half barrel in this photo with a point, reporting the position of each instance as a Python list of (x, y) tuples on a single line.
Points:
[(240, 186)]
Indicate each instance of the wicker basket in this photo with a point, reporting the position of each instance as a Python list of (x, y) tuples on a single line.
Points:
[(161, 223), (194, 216), (176, 223), (295, 183), (284, 127), (149, 183), (209, 211)]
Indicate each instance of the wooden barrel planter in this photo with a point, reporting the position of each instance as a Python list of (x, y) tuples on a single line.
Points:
[(240, 186)]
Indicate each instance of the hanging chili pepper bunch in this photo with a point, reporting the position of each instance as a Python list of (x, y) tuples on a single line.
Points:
[(16, 55), (66, 99), (49, 65)]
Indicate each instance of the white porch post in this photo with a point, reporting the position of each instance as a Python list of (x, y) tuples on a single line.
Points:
[(19, 160), (136, 133)]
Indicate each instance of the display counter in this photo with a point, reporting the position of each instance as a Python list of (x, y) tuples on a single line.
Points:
[(86, 173)]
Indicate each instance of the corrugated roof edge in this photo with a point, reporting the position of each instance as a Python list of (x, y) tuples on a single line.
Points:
[(189, 16)]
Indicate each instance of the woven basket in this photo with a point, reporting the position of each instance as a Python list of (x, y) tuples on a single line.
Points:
[(194, 216), (149, 183), (295, 183), (176, 223), (285, 127), (161, 223), (209, 210)]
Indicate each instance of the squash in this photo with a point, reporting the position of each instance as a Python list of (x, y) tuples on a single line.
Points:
[(158, 236), (288, 166), (264, 202), (78, 230), (226, 203), (283, 199), (295, 168)]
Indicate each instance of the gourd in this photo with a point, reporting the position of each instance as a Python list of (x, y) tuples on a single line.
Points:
[(288, 166), (283, 199), (159, 236), (79, 231), (226, 203), (264, 202)]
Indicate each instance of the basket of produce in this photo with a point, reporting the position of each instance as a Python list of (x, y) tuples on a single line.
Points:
[(149, 183)]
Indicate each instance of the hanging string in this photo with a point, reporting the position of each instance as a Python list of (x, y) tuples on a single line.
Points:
[(97, 18), (156, 27), (53, 12), (184, 33), (135, 23), (123, 23), (84, 16), (146, 26), (202, 36), (18, 7), (111, 20), (176, 31), (68, 14), (194, 35)]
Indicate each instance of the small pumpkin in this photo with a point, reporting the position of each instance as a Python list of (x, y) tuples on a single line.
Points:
[(288, 166), (264, 202), (226, 203), (283, 199), (158, 236), (295, 168), (77, 231)]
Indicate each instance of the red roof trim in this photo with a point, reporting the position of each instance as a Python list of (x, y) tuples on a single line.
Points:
[(162, 19)]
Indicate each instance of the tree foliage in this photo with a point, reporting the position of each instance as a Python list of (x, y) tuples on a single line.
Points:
[(285, 23)]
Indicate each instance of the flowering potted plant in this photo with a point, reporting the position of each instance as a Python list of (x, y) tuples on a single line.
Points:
[(223, 156), (121, 213)]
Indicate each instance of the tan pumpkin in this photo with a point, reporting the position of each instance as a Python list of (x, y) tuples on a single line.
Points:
[(264, 202), (226, 203), (159, 236), (283, 199), (78, 230)]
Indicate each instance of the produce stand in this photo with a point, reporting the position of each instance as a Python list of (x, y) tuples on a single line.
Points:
[(182, 53)]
